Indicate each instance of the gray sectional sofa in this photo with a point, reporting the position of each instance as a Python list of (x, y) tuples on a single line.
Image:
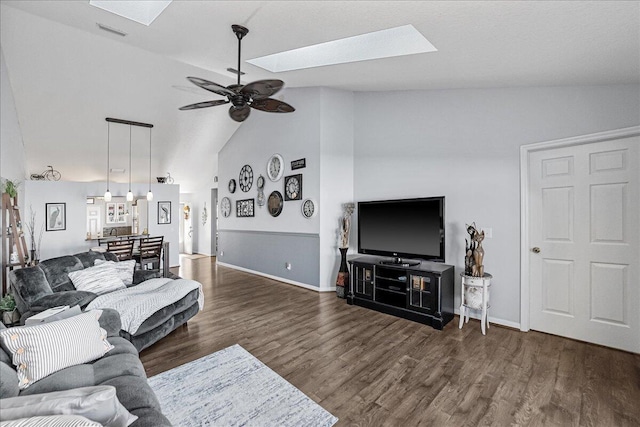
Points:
[(47, 285), (120, 368)]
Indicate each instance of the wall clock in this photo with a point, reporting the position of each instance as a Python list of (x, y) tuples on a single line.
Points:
[(293, 187), (275, 167), (246, 178), (232, 186), (275, 203), (260, 184), (308, 208), (225, 207)]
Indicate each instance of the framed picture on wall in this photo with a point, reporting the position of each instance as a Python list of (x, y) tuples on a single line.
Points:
[(164, 212), (111, 215), (121, 212), (56, 216)]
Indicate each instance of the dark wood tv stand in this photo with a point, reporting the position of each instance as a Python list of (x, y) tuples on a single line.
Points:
[(422, 293)]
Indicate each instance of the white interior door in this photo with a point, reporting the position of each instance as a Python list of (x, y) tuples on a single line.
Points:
[(583, 217)]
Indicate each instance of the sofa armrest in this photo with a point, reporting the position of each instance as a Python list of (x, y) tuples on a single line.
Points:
[(110, 322), (70, 298), (140, 276)]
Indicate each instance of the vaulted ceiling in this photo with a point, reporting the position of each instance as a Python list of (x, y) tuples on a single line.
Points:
[(67, 75)]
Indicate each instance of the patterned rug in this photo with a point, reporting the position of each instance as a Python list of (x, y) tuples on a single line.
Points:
[(194, 256), (233, 388)]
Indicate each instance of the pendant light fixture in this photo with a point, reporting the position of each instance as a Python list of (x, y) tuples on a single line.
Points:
[(107, 194), (129, 194), (149, 194)]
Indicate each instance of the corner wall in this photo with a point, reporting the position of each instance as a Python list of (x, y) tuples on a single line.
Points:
[(12, 157), (464, 145)]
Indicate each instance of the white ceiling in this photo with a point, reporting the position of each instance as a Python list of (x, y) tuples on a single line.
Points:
[(67, 78)]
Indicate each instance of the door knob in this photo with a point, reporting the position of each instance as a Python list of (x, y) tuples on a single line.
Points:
[(535, 250)]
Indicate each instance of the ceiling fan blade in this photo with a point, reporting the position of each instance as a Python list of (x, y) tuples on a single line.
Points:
[(204, 104), (210, 86), (271, 105), (239, 114), (262, 89)]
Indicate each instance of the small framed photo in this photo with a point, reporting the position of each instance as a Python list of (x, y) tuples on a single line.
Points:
[(111, 213), (164, 212), (56, 216)]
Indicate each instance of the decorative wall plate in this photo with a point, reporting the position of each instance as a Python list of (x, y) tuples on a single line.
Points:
[(293, 187), (232, 186), (225, 207), (244, 208), (246, 178), (275, 203), (308, 208), (275, 167)]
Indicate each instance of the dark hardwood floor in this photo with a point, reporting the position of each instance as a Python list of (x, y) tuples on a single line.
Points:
[(372, 369)]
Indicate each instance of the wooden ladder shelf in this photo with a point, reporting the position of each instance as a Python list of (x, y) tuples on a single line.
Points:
[(12, 235)]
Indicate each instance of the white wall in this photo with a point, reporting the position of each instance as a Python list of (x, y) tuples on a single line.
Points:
[(74, 194), (12, 160), (464, 145)]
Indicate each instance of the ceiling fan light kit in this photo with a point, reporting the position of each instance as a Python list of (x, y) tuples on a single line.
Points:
[(254, 95)]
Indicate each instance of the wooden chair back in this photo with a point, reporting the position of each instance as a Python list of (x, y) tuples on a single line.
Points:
[(122, 249), (150, 250)]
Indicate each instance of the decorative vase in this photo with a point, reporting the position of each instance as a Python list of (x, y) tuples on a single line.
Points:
[(343, 274)]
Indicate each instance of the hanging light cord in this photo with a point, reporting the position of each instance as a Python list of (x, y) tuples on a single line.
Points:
[(108, 151), (129, 158), (149, 159)]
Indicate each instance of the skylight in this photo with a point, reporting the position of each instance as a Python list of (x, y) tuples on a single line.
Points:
[(399, 41), (141, 11)]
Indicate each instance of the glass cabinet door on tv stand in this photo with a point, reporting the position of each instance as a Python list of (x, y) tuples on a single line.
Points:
[(362, 280)]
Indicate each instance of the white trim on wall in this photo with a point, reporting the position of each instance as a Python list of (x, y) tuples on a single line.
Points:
[(278, 278), (525, 150)]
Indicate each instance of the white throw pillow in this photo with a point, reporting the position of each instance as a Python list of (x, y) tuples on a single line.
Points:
[(124, 269), (41, 350), (99, 279), (98, 403), (52, 421)]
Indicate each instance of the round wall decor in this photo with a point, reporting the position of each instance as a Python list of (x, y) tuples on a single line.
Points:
[(232, 186), (246, 178), (275, 203), (308, 208), (225, 207), (275, 167), (293, 187)]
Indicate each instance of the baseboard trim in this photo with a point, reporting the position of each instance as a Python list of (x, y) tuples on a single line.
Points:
[(497, 321), (279, 279)]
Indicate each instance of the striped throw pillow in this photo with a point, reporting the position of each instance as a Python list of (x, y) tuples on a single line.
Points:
[(124, 269), (41, 350), (52, 421), (99, 279)]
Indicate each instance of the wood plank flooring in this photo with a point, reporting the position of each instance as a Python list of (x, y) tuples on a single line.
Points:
[(372, 369)]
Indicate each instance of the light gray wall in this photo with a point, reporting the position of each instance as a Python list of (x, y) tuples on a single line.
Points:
[(464, 145), (74, 194), (12, 157)]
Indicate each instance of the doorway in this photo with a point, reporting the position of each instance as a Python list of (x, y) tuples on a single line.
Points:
[(186, 229), (581, 238)]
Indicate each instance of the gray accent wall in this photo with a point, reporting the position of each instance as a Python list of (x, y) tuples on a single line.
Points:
[(269, 252)]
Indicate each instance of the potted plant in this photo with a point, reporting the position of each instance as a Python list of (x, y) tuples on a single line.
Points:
[(10, 315), (10, 187)]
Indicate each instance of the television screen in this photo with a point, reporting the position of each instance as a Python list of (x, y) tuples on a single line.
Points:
[(412, 228)]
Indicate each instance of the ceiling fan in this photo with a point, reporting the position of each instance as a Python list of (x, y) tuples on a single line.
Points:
[(242, 97)]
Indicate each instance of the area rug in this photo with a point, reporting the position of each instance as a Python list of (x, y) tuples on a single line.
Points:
[(194, 256), (233, 388)]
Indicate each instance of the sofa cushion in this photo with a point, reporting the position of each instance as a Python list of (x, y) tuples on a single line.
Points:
[(40, 350), (88, 259), (52, 421), (100, 279), (98, 403), (31, 284), (70, 298), (8, 381), (57, 272)]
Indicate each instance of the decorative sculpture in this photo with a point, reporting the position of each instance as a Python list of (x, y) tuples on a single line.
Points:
[(474, 253), (345, 227)]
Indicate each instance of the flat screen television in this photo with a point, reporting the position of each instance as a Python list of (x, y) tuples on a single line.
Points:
[(408, 228)]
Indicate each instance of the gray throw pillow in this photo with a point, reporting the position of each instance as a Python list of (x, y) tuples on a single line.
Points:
[(100, 279), (124, 269), (99, 404), (8, 381)]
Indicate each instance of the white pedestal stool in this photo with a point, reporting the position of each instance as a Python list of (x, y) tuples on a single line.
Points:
[(474, 293)]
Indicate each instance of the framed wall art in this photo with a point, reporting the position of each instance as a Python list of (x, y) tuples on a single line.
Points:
[(164, 212), (245, 208), (56, 216)]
